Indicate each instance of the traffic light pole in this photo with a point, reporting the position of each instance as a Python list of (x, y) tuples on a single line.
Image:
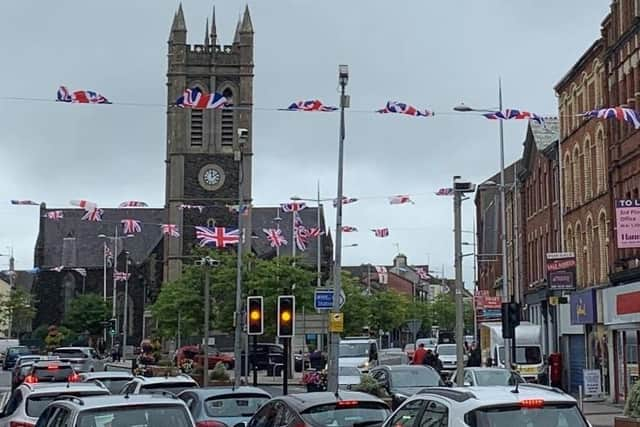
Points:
[(253, 361), (205, 345), (285, 367), (457, 225)]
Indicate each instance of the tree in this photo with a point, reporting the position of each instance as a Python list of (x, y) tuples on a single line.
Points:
[(444, 312), (356, 307), (421, 311), (87, 313), (469, 317), (17, 309), (388, 310), (268, 278)]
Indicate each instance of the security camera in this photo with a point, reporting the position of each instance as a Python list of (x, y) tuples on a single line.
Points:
[(243, 132)]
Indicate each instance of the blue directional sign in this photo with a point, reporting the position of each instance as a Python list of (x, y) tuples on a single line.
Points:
[(323, 299)]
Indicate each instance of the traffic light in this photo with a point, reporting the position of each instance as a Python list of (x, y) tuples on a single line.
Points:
[(286, 316), (510, 318), (255, 319), (113, 326)]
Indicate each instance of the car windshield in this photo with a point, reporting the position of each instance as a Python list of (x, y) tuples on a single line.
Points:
[(17, 350), (114, 385), (36, 403), (447, 350), (173, 387), (236, 405), (139, 416), (548, 416), (73, 353), (52, 373), (360, 413), (419, 377), (529, 355), (496, 377), (359, 349), (349, 371)]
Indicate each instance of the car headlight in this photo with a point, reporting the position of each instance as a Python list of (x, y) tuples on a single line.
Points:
[(365, 365)]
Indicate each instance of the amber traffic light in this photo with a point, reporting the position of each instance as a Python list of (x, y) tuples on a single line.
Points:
[(255, 318), (286, 316)]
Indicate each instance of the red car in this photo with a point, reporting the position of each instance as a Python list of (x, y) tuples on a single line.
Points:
[(195, 354)]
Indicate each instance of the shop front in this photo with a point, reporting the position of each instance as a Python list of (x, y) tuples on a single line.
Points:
[(621, 315)]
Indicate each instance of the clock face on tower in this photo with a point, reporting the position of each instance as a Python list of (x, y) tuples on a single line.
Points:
[(211, 177)]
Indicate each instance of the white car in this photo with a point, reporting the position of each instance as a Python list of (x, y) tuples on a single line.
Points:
[(28, 401), (150, 385), (447, 355), (348, 376), (359, 352), (526, 405)]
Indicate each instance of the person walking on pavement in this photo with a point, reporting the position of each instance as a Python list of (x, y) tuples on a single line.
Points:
[(475, 357), (419, 355)]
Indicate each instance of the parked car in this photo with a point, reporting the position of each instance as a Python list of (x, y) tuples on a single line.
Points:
[(5, 343), (321, 409), (28, 401), (117, 411), (392, 356), (12, 355), (265, 353), (226, 406), (83, 359), (404, 381), (348, 376), (487, 377), (113, 380), (54, 371), (448, 357), (196, 355), (149, 385), (533, 405)]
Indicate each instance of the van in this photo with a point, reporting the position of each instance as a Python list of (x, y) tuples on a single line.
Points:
[(359, 352)]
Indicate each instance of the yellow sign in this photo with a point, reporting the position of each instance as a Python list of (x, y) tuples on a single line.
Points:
[(336, 322), (553, 300)]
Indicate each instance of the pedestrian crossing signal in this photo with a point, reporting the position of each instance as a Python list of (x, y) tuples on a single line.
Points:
[(255, 318), (286, 316)]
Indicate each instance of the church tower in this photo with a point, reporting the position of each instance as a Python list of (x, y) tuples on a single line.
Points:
[(203, 166)]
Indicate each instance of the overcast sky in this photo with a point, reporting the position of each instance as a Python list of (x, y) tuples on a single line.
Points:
[(432, 54)]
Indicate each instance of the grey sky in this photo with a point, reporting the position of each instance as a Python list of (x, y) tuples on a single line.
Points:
[(427, 53)]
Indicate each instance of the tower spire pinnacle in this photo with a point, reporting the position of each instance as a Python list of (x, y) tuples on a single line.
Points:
[(206, 33), (178, 27), (236, 37), (213, 25), (247, 25)]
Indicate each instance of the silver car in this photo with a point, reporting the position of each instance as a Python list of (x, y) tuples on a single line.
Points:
[(28, 401), (113, 380), (82, 359)]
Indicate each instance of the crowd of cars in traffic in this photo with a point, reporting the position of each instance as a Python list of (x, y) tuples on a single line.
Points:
[(72, 388)]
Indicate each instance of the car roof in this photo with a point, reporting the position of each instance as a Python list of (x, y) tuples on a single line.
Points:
[(475, 397), (400, 368), (42, 363), (72, 348), (303, 401), (93, 402), (106, 374), (61, 387), (205, 393), (487, 369), (167, 379)]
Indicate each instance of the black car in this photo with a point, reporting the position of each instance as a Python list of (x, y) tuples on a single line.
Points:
[(53, 371), (265, 355), (21, 369), (12, 355), (402, 381), (344, 409)]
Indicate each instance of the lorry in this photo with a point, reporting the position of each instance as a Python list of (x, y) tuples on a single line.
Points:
[(529, 362)]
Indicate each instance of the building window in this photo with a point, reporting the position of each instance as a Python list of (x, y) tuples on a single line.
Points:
[(568, 182), (604, 252), (589, 259), (577, 176), (601, 172), (227, 120), (579, 251), (587, 168), (197, 127), (211, 222)]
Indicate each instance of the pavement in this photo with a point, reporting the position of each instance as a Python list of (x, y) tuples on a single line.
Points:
[(601, 414)]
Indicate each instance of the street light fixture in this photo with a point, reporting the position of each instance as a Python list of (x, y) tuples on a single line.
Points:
[(503, 215), (353, 245)]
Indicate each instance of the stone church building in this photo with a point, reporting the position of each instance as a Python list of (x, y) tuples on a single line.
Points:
[(209, 158)]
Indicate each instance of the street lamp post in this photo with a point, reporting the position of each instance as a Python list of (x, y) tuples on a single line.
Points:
[(503, 215), (343, 78), (125, 317)]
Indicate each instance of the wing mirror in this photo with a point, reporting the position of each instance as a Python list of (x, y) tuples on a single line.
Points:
[(240, 424)]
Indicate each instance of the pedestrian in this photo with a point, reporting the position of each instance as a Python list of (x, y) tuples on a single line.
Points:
[(315, 360), (475, 358), (419, 355), (430, 359), (114, 353)]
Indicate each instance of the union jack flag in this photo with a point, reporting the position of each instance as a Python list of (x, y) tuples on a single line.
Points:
[(293, 206), (380, 232), (120, 276), (242, 209), (509, 114), (54, 215), (618, 113), (170, 230), (81, 271), (93, 215), (80, 96), (400, 199), (195, 99), (219, 237), (133, 204), (24, 202), (311, 105), (422, 273), (383, 275), (108, 254), (199, 207), (402, 108), (345, 201), (131, 226), (85, 204), (349, 229), (275, 237), (445, 192)]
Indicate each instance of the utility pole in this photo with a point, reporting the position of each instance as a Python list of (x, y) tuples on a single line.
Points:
[(12, 272), (319, 243), (333, 381), (104, 285), (205, 344), (457, 226), (115, 289), (125, 317)]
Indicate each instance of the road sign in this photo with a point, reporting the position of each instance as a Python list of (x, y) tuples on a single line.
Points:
[(323, 299), (414, 326), (336, 322)]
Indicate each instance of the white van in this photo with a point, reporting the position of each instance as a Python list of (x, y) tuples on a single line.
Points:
[(359, 352)]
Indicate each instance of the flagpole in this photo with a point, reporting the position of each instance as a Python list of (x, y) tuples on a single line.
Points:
[(293, 233), (104, 284), (115, 289), (278, 219), (319, 243)]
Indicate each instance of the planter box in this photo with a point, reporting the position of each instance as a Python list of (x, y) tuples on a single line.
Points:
[(626, 422)]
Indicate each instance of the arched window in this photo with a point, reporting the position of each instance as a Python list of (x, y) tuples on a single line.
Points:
[(196, 121), (579, 251), (568, 241), (589, 262), (568, 182), (587, 168), (601, 171), (211, 222), (577, 176), (604, 251), (227, 120), (597, 264)]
